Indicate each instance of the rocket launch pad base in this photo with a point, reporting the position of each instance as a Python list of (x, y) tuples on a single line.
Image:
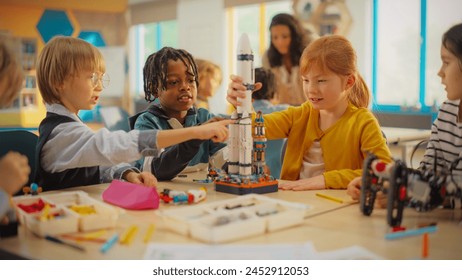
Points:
[(260, 187)]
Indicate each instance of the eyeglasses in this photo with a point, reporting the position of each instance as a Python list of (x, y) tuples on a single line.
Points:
[(104, 78)]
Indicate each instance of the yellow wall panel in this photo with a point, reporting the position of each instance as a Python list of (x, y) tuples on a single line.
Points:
[(20, 18), (114, 6), (19, 21)]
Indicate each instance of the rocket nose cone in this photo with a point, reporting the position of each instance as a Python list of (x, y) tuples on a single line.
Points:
[(243, 46)]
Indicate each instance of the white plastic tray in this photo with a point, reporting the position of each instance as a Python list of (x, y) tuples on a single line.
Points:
[(233, 219), (69, 220)]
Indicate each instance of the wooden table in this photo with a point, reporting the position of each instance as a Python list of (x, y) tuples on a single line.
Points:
[(328, 225)]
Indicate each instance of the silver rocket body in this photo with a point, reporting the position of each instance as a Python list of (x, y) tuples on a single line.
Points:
[(247, 140), (246, 71), (240, 138)]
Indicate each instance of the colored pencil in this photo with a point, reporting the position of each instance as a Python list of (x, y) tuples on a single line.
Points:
[(108, 245), (411, 232), (336, 199)]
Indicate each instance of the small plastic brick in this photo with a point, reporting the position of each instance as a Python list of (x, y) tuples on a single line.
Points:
[(34, 189), (398, 228)]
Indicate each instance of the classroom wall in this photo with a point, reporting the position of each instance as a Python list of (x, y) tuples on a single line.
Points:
[(21, 18), (359, 34), (20, 22), (205, 37)]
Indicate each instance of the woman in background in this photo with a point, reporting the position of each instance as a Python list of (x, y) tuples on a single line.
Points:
[(288, 40)]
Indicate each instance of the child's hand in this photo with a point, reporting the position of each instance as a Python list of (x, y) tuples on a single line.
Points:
[(143, 178), (381, 200), (237, 89), (313, 183), (216, 131), (354, 188), (14, 171)]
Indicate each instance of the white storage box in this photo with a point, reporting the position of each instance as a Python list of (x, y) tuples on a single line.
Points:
[(233, 219), (105, 216), (28, 201), (102, 216), (66, 222)]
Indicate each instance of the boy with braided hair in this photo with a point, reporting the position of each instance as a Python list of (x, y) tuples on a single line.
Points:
[(71, 77), (170, 75)]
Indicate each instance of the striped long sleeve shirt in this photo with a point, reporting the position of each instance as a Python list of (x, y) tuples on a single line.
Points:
[(445, 145)]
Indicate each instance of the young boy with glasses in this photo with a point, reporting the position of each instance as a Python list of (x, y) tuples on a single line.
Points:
[(71, 77)]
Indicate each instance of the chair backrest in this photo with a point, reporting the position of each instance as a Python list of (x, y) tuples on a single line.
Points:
[(21, 141), (283, 150), (115, 118), (273, 159)]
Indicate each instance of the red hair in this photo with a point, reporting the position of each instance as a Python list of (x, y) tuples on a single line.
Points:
[(335, 53)]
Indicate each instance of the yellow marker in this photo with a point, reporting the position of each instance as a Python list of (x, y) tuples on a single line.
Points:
[(149, 233), (330, 197), (128, 235)]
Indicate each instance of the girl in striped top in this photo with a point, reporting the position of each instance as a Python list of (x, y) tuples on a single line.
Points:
[(445, 145)]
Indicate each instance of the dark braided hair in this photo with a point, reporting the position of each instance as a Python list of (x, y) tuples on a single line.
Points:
[(156, 66)]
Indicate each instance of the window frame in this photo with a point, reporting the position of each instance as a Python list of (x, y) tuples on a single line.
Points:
[(423, 109)]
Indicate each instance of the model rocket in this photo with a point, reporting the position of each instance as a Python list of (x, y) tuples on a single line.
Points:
[(240, 144), (246, 146)]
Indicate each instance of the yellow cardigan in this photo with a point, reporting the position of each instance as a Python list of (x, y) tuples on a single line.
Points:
[(344, 145)]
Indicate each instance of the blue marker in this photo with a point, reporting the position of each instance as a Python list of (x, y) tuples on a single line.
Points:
[(108, 245), (411, 232)]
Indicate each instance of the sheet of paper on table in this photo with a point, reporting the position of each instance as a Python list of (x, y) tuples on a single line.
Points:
[(306, 251)]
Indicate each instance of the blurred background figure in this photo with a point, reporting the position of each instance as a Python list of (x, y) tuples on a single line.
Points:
[(261, 102), (11, 75), (210, 78), (288, 40), (14, 167), (261, 99)]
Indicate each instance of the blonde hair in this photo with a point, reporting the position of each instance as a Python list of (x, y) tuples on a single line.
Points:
[(208, 68), (11, 74), (63, 58), (336, 53)]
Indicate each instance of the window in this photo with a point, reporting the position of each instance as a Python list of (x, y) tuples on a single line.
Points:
[(254, 20), (441, 15), (147, 39), (406, 53), (397, 53)]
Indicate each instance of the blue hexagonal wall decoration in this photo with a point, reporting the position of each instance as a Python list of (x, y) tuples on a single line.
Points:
[(93, 37), (52, 23)]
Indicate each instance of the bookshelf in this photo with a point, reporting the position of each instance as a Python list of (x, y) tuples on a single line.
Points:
[(324, 16), (26, 110)]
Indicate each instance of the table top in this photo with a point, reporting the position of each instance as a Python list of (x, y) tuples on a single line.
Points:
[(329, 225), (397, 135)]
